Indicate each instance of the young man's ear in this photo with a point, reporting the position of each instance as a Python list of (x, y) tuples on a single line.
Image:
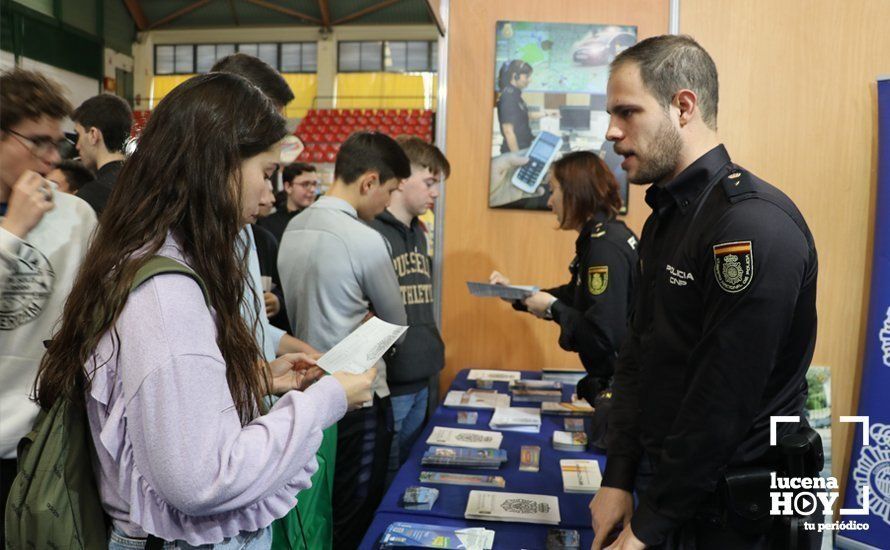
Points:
[(368, 180), (95, 135)]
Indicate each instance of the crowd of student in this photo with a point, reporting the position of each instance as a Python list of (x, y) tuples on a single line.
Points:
[(176, 374), (183, 323), (177, 369)]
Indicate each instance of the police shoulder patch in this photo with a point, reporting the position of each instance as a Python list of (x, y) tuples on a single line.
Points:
[(734, 265), (597, 279), (737, 185)]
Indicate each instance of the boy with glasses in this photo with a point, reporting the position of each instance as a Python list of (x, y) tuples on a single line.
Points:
[(43, 237), (300, 186)]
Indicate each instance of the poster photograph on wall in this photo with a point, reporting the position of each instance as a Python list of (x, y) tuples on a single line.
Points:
[(549, 99)]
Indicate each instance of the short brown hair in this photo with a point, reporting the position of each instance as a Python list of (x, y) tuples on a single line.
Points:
[(425, 155), (670, 63), (28, 95), (588, 187)]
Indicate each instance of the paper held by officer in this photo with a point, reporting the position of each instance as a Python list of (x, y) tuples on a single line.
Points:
[(362, 348), (507, 292)]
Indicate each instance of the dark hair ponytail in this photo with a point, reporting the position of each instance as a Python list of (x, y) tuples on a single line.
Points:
[(510, 69)]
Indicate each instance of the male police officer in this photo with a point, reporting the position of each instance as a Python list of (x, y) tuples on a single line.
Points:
[(724, 322)]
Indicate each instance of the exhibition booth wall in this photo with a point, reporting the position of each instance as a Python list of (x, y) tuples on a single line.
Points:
[(797, 108)]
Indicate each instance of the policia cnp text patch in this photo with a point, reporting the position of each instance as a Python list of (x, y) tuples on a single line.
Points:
[(734, 265)]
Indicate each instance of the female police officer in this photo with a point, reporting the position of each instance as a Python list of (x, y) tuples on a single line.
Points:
[(592, 309), (513, 77)]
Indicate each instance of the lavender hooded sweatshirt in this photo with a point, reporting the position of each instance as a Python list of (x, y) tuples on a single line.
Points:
[(172, 457)]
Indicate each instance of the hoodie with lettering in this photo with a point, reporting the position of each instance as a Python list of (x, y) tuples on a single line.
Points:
[(422, 354)]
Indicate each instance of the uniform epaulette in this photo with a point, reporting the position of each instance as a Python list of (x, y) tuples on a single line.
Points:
[(598, 231), (737, 184)]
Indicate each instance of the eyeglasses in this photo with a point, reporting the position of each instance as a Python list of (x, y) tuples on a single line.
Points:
[(41, 146), (308, 184)]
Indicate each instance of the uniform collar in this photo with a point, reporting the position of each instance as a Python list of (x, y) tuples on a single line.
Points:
[(685, 189)]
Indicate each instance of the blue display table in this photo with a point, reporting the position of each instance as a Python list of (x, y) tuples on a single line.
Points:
[(449, 508)]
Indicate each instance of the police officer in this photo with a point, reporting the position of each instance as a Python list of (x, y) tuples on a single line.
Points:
[(513, 115), (592, 309), (724, 322)]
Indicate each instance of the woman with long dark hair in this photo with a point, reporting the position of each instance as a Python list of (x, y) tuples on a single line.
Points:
[(174, 385), (592, 309)]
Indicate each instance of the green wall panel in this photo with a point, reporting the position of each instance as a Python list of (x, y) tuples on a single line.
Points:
[(120, 31)]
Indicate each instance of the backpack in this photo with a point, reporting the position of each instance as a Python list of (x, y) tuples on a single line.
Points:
[(54, 501)]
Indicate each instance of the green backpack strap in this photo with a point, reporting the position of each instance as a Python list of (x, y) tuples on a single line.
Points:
[(163, 265)]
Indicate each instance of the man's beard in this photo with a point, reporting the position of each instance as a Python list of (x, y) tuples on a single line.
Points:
[(663, 158)]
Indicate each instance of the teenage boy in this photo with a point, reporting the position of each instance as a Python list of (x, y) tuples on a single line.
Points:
[(421, 355), (336, 272), (43, 238)]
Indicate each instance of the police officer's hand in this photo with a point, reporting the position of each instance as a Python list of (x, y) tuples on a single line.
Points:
[(610, 508), (627, 541), (538, 303), (32, 197), (498, 278)]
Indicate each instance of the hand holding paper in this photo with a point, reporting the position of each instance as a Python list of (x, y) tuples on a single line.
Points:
[(362, 348)]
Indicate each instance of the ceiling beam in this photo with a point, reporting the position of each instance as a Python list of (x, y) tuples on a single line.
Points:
[(433, 7), (370, 9), (137, 14), (325, 14), (286, 11), (179, 13)]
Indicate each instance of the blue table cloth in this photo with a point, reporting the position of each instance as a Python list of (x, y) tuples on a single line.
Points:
[(452, 501)]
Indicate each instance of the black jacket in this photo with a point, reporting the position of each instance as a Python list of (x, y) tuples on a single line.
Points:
[(593, 308), (267, 254), (276, 222), (422, 354), (96, 192), (722, 334)]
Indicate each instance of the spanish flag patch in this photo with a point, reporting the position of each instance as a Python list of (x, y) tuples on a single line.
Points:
[(734, 265)]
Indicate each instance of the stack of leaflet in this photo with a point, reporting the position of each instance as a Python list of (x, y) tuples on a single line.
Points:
[(521, 507), (494, 375), (419, 498), (575, 408), (457, 437), (538, 396), (569, 441), (454, 457), (535, 385), (567, 377), (516, 419), (449, 478), (580, 476), (419, 535), (477, 399)]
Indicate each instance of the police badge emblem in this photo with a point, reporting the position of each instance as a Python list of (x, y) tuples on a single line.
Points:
[(734, 265), (597, 279)]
